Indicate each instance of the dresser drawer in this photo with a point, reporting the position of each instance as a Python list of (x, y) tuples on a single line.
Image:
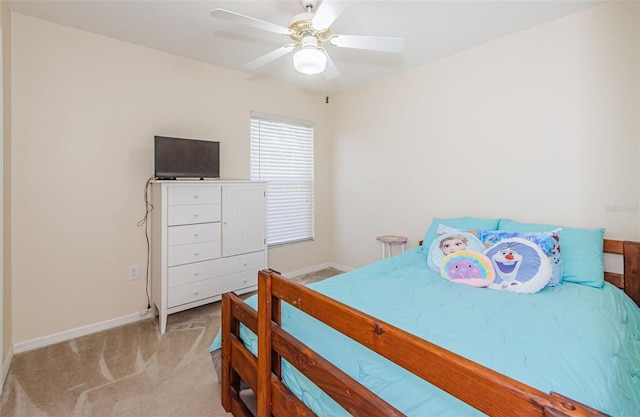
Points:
[(183, 294), (198, 271), (239, 263), (201, 194), (195, 252), (193, 233), (193, 213)]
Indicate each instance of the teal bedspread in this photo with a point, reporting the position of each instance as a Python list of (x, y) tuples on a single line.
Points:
[(579, 341)]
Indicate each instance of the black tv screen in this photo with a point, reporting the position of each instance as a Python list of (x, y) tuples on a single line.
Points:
[(186, 158)]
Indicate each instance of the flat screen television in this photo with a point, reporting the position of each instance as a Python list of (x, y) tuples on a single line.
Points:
[(186, 158)]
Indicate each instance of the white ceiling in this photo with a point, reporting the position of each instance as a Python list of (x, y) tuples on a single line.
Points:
[(432, 30)]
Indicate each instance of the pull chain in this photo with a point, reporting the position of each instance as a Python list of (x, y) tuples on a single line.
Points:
[(326, 86)]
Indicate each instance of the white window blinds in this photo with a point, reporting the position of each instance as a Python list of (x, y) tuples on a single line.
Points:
[(282, 155)]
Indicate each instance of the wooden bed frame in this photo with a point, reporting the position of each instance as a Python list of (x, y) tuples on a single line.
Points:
[(500, 396)]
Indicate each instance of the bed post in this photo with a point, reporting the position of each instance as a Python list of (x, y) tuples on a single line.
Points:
[(276, 316), (632, 270), (225, 368), (264, 345)]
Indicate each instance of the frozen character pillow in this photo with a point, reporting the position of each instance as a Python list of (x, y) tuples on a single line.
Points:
[(468, 268), (450, 240), (548, 242), (520, 266)]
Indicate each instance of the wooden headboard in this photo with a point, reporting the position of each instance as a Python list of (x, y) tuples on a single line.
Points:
[(629, 280)]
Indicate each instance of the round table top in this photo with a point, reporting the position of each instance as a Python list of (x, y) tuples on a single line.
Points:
[(392, 239)]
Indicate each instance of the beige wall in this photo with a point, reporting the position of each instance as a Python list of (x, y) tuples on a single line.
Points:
[(5, 19), (85, 110), (539, 126)]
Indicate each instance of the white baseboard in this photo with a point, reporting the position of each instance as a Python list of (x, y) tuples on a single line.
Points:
[(5, 365), (343, 268), (39, 342), (297, 273)]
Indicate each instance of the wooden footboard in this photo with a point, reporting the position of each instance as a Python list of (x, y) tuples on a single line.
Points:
[(500, 396)]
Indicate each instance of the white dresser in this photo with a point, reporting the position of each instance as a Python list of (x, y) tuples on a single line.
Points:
[(207, 238)]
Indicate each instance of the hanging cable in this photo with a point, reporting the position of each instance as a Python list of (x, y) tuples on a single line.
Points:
[(145, 222)]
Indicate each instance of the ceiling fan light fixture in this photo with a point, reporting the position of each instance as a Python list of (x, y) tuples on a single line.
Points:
[(310, 60), (309, 30)]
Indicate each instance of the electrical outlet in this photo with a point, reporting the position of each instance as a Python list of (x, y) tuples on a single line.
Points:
[(134, 272)]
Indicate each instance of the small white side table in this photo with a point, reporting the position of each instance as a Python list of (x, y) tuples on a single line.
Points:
[(389, 241)]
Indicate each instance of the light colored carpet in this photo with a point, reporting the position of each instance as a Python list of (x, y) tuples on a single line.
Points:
[(130, 370)]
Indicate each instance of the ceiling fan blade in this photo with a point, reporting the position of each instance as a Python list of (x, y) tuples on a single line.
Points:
[(267, 58), (331, 71), (250, 21), (372, 43), (327, 13)]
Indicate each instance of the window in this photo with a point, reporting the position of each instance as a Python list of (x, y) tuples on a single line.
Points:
[(282, 155)]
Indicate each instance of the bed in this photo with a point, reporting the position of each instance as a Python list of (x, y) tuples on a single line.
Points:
[(394, 338)]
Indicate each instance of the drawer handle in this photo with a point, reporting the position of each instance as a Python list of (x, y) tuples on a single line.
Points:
[(196, 215), (196, 234), (244, 263), (196, 273), (196, 253), (196, 292), (196, 196)]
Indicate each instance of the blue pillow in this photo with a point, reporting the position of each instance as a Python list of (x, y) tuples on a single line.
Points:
[(465, 223), (582, 251)]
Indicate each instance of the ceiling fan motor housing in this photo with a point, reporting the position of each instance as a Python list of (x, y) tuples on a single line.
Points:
[(309, 41), (301, 27)]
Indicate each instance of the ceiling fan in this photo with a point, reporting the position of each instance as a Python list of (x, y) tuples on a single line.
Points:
[(309, 31)]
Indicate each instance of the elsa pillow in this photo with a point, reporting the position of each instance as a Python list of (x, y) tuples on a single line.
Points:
[(450, 240)]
